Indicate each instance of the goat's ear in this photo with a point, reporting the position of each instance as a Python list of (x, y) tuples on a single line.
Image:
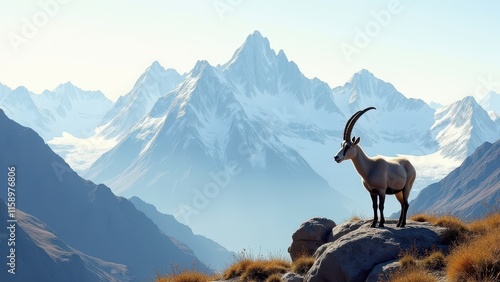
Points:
[(353, 139), (357, 141)]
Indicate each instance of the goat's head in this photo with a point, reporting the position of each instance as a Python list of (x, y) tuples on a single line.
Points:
[(348, 147)]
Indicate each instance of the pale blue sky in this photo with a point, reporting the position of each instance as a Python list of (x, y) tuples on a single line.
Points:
[(434, 50)]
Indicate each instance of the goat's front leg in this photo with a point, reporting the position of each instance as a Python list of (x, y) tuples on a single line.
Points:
[(374, 203)]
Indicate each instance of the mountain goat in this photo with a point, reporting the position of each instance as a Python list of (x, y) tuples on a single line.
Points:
[(380, 176)]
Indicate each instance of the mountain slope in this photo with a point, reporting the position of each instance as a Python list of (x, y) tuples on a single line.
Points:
[(462, 127), (86, 216), (399, 124), (199, 154), (18, 104), (130, 108), (491, 102), (73, 110), (66, 109), (4, 90), (470, 191), (42, 256), (207, 250)]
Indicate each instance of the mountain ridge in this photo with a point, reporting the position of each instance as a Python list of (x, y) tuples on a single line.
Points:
[(87, 216), (469, 190)]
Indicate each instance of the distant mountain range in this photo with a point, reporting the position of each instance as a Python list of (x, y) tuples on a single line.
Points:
[(470, 191), (80, 214), (65, 109), (251, 140)]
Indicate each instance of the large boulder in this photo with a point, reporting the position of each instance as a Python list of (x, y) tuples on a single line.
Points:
[(310, 236), (356, 248)]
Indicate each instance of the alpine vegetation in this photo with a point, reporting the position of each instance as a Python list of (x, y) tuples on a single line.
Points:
[(379, 176)]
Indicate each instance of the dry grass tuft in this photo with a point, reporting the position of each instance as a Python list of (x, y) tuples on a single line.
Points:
[(274, 278), (423, 218), (303, 264), (413, 275), (186, 276), (476, 260), (436, 260), (237, 269), (258, 270), (475, 255), (408, 261), (457, 229), (481, 226)]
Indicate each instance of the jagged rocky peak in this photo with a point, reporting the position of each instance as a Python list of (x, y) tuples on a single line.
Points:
[(156, 69), (363, 74), (255, 47), (255, 63)]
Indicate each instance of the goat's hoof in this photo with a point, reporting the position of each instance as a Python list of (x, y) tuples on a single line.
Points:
[(381, 225), (373, 225)]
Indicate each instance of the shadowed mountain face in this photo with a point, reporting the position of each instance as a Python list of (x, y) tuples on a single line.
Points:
[(470, 191), (40, 255), (88, 217), (208, 251)]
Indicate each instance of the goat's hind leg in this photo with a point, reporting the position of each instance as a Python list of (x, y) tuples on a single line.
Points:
[(399, 196)]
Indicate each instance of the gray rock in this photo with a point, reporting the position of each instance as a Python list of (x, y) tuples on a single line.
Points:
[(382, 271), (358, 248), (310, 236)]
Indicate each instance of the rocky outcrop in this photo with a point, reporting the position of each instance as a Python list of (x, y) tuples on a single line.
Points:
[(356, 251), (310, 236)]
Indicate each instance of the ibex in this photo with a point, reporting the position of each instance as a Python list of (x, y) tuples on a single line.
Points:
[(379, 176)]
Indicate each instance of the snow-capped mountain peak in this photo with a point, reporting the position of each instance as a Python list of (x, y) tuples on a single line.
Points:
[(130, 108), (255, 48), (4, 90), (491, 102), (461, 127)]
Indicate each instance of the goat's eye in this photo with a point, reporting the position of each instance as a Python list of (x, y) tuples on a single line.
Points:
[(347, 147)]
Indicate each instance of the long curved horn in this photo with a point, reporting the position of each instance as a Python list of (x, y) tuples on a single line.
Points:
[(350, 123), (346, 129)]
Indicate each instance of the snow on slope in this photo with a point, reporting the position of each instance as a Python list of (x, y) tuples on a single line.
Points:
[(66, 118), (4, 90), (200, 139), (491, 102), (19, 105), (130, 108), (81, 151), (66, 109), (399, 124), (462, 127), (74, 110)]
